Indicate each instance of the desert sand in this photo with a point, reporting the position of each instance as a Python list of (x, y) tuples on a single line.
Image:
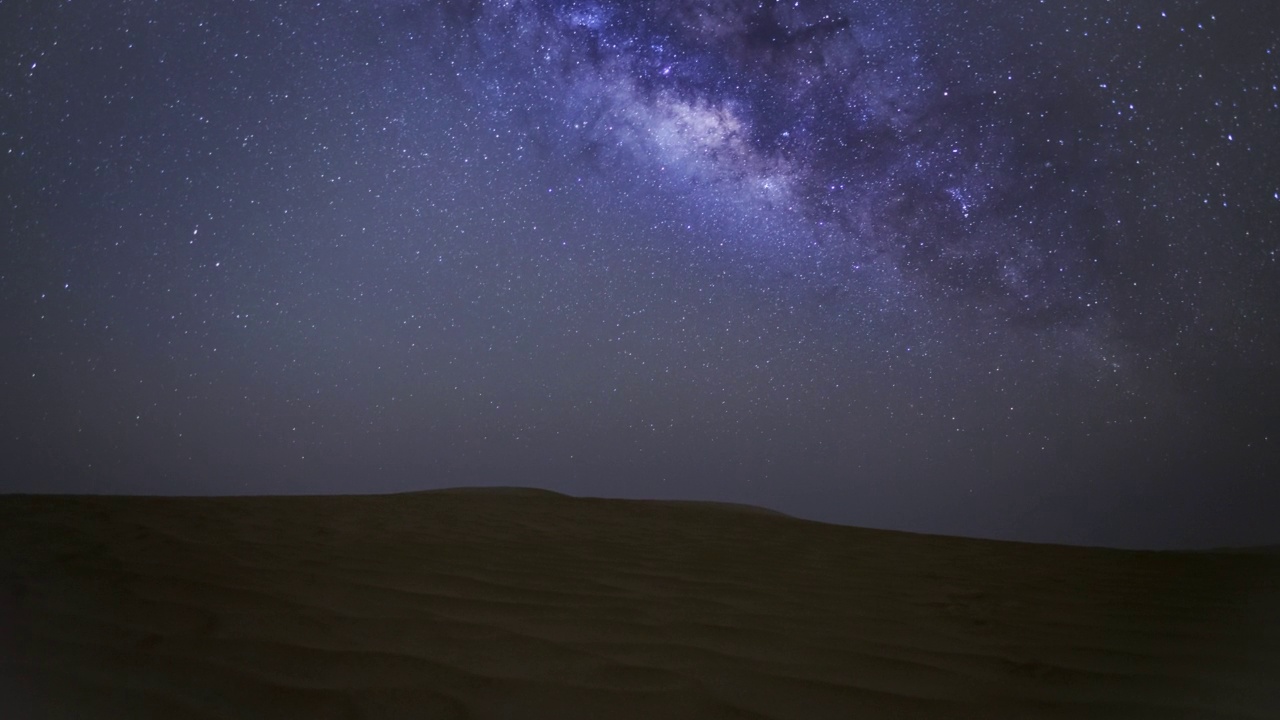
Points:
[(529, 604)]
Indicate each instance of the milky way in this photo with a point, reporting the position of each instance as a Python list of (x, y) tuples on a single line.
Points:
[(874, 131), (991, 269)]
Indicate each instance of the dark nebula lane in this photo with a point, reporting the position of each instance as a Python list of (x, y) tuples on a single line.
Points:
[(959, 267)]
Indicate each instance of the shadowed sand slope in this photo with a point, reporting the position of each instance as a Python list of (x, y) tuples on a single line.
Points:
[(529, 604)]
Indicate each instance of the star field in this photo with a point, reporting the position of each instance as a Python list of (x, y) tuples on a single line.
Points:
[(971, 268)]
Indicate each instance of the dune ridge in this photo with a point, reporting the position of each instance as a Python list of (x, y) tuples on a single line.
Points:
[(522, 603)]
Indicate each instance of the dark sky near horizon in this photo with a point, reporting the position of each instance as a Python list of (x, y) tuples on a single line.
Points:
[(982, 268)]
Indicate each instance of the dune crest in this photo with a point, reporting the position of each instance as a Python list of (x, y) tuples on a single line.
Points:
[(510, 490)]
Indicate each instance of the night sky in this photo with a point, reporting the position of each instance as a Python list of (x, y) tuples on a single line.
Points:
[(970, 267)]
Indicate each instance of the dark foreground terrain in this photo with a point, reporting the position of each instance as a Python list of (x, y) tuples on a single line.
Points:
[(527, 604)]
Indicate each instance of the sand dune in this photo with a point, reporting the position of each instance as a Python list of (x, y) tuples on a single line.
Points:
[(530, 604)]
